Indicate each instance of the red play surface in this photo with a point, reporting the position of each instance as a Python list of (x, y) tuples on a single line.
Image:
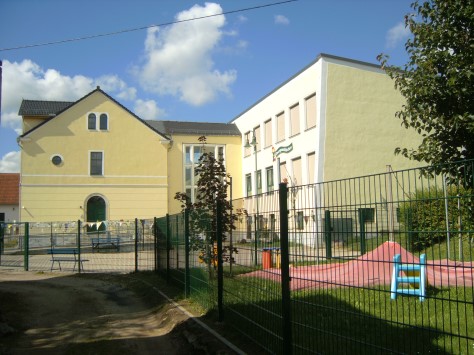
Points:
[(373, 268)]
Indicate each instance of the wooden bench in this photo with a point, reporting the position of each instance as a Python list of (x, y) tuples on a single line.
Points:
[(59, 255), (112, 242)]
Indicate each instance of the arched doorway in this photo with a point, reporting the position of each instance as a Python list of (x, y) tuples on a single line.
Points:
[(96, 212)]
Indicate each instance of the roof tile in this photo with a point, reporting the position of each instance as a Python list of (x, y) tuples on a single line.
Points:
[(9, 189)]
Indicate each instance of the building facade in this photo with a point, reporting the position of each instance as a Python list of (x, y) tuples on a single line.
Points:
[(94, 160), (332, 120)]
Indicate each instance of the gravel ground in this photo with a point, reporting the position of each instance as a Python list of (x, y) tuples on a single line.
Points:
[(56, 313)]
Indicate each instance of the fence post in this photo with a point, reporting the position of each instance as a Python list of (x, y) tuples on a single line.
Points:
[(328, 233), (136, 244), (177, 242), (155, 243), (187, 286), (409, 229), (168, 247), (256, 238), (26, 243), (2, 240), (285, 271), (79, 244), (362, 230), (220, 269)]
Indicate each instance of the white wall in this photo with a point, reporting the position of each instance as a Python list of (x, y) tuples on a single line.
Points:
[(294, 91), (11, 213)]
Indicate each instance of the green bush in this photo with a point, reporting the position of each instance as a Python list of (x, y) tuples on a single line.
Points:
[(423, 215)]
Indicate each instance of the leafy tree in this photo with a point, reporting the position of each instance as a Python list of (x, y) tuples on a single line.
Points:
[(212, 185), (438, 82)]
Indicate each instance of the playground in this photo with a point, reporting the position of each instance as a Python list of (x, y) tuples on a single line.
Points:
[(373, 268)]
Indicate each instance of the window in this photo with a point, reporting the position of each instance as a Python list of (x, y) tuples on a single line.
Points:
[(283, 173), (272, 222), (259, 181), (268, 133), (91, 121), (297, 172), (270, 184), (96, 163), (103, 123), (256, 131), (367, 214), (299, 220), (248, 184), (281, 127), (247, 139), (192, 154), (311, 167), (310, 104), (57, 159), (295, 120)]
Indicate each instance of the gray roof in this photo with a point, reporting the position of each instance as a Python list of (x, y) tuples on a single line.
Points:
[(53, 108), (203, 128), (42, 108)]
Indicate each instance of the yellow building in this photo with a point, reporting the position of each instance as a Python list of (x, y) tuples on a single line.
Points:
[(95, 160)]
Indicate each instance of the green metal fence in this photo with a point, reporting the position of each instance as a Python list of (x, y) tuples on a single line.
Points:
[(314, 272), (110, 246), (314, 268)]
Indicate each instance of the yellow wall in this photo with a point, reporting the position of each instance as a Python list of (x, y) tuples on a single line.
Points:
[(362, 131), (233, 148), (135, 170), (30, 122)]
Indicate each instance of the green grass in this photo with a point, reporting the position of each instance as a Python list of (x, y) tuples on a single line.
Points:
[(349, 320), (353, 320)]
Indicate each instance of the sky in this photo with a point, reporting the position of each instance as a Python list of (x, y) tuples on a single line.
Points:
[(205, 70)]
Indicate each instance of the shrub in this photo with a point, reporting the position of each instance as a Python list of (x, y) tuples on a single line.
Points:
[(424, 215)]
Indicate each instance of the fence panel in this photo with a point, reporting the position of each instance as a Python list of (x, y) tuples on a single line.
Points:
[(109, 246), (12, 245), (343, 237)]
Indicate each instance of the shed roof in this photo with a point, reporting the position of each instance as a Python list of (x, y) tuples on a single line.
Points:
[(9, 189), (42, 108)]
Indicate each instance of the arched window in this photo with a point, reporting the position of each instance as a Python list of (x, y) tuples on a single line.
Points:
[(104, 122), (96, 212), (91, 121)]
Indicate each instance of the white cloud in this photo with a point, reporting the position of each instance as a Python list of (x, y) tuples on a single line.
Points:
[(112, 83), (10, 163), (27, 80), (281, 20), (148, 110), (178, 59), (396, 34), (242, 18)]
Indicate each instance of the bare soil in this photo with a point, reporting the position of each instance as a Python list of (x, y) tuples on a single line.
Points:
[(53, 313)]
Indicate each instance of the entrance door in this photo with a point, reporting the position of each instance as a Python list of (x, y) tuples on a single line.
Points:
[(96, 212)]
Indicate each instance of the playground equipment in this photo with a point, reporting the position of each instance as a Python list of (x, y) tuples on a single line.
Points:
[(413, 274)]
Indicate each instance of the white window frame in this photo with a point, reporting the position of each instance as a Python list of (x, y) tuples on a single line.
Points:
[(97, 122), (90, 162), (192, 164)]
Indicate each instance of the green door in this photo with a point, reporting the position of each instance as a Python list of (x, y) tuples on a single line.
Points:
[(96, 212)]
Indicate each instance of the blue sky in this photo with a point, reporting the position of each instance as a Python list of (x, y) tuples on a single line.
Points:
[(206, 70)]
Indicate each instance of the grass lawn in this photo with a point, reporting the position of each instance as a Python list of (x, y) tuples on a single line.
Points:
[(353, 320)]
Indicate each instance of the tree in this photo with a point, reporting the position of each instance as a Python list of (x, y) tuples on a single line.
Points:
[(438, 82), (212, 185)]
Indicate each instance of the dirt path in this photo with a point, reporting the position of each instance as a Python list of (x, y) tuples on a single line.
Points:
[(67, 314)]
